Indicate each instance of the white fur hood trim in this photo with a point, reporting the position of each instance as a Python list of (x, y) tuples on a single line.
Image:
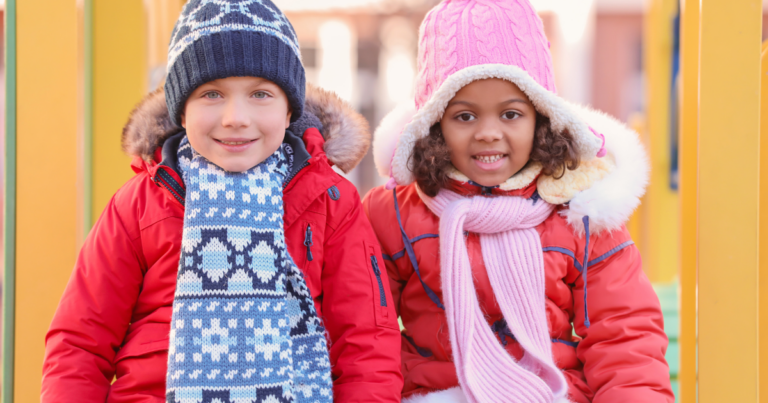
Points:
[(452, 395), (610, 201), (558, 110), (386, 136)]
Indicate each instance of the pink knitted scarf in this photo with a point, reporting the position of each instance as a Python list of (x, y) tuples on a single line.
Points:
[(513, 258)]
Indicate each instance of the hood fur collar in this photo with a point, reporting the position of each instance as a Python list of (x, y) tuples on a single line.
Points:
[(346, 132)]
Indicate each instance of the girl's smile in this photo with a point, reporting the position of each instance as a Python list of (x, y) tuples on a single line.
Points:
[(490, 160), (489, 127)]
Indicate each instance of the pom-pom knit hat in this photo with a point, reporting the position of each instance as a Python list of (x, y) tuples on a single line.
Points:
[(461, 41), (215, 39)]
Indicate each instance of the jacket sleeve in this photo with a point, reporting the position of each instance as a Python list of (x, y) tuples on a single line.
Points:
[(359, 313), (623, 347), (93, 315)]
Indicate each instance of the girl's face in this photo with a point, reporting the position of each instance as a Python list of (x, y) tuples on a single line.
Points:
[(489, 128), (237, 122)]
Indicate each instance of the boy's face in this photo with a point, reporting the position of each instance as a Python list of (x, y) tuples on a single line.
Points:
[(236, 122)]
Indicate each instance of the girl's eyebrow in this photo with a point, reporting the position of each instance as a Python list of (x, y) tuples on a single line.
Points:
[(460, 103), (471, 104), (514, 100)]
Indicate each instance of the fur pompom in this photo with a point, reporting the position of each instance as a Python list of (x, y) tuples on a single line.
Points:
[(452, 395), (610, 201), (388, 134)]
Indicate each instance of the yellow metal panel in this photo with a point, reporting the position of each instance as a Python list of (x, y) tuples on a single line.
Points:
[(119, 82), (46, 177), (689, 138), (729, 148), (660, 205), (635, 223), (763, 309)]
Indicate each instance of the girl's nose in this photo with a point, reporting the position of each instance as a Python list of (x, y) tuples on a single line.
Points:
[(488, 131), (235, 114)]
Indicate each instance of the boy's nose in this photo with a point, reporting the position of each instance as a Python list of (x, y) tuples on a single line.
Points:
[(235, 114)]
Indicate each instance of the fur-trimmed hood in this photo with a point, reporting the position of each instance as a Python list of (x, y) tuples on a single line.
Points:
[(606, 189), (346, 132)]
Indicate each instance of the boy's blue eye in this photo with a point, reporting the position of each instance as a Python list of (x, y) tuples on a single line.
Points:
[(511, 115), (465, 117), (211, 95), (260, 95)]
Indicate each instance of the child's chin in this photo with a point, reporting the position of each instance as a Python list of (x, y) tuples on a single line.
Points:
[(237, 166), (488, 180)]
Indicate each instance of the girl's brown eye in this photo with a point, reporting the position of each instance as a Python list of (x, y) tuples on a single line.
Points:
[(466, 117), (511, 115)]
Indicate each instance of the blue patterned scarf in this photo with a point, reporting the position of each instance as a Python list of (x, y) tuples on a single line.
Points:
[(244, 327)]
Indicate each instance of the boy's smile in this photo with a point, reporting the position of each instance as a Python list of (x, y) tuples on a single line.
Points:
[(489, 127), (236, 122)]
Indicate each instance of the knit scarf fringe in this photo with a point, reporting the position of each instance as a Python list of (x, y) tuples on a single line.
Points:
[(244, 327), (513, 258)]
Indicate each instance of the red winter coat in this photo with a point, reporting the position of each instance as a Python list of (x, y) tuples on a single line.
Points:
[(618, 358), (113, 319)]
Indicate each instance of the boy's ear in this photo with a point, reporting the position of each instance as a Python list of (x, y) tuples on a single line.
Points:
[(287, 118)]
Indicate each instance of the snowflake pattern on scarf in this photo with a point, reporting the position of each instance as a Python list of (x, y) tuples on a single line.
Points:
[(244, 327)]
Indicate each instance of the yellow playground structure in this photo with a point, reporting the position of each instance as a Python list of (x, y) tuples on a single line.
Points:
[(75, 69)]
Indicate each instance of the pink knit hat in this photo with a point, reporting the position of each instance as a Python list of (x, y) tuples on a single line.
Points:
[(461, 41)]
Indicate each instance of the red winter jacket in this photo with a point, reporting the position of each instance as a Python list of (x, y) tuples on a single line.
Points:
[(619, 357), (109, 338)]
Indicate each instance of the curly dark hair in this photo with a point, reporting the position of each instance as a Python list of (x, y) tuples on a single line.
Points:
[(430, 159)]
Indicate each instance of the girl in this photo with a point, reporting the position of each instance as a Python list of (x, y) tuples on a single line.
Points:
[(504, 239)]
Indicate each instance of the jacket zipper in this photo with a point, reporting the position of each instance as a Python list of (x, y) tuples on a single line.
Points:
[(296, 172), (161, 181), (308, 242), (377, 272)]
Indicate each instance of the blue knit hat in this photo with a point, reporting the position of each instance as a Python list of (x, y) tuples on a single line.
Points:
[(232, 38)]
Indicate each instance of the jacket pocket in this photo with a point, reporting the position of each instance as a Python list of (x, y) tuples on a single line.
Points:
[(381, 297), (142, 349), (149, 338)]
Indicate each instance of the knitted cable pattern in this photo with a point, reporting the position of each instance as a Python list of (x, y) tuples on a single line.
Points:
[(458, 34), (512, 254), (440, 35), (485, 30), (244, 327), (530, 42)]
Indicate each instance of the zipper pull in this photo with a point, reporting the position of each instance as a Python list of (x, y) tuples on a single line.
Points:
[(308, 242)]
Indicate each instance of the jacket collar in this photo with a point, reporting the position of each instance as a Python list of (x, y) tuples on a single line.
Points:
[(470, 188)]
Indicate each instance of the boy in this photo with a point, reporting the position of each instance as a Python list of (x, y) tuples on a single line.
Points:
[(235, 83)]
